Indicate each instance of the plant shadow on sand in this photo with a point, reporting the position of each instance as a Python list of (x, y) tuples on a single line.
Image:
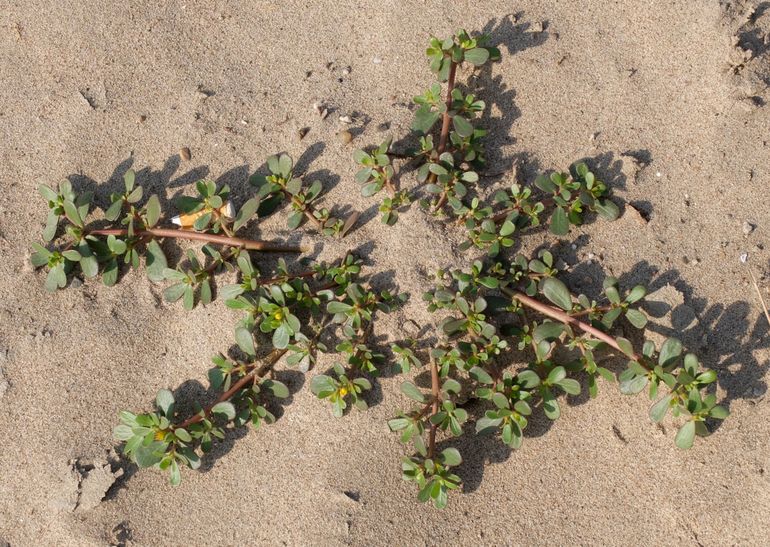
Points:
[(728, 349)]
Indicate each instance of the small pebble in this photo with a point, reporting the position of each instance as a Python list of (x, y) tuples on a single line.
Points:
[(538, 27), (302, 132), (142, 118), (744, 257), (318, 107), (324, 113), (748, 227), (346, 119), (346, 136), (346, 70), (185, 153), (377, 60), (76, 283)]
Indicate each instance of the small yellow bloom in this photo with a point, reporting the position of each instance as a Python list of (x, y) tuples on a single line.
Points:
[(159, 435), (278, 315), (343, 391)]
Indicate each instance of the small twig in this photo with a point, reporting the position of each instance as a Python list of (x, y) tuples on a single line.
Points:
[(266, 246)]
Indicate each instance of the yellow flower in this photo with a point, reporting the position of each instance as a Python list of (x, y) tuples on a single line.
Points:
[(278, 315), (343, 391), (159, 435)]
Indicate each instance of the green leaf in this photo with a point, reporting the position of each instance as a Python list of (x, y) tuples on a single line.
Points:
[(129, 179), (550, 405), (72, 213), (636, 294), (607, 209), (669, 352), (155, 262), (480, 375), (547, 331), (636, 318), (202, 222), (477, 56), (247, 211), (625, 346), (245, 341), (570, 386), (281, 336), (686, 435), (113, 211), (412, 391), (557, 292), (171, 293), (110, 273), (226, 408), (659, 409), (51, 224), (188, 297), (425, 119), (175, 477), (149, 455), (278, 389), (633, 385), (463, 127), (164, 400), (183, 435), (719, 412), (338, 307), (559, 222), (322, 386), (451, 457), (153, 211), (556, 375), (122, 432)]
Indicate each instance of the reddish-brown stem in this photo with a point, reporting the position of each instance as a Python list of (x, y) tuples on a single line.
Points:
[(447, 121), (217, 263), (435, 391), (307, 210), (591, 310), (563, 317), (446, 124), (266, 246), (255, 373)]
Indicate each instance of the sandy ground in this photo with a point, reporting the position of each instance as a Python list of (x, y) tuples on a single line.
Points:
[(665, 99)]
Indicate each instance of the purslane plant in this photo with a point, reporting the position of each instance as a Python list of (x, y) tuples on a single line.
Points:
[(286, 312), (513, 339), (517, 338), (448, 168), (494, 350)]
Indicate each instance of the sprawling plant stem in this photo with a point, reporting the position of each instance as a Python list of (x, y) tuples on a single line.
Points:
[(447, 119), (559, 315), (252, 245), (251, 376), (435, 391), (446, 125)]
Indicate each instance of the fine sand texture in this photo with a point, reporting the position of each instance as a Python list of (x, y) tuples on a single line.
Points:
[(667, 101)]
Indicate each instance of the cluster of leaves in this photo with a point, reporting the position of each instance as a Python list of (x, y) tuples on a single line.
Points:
[(496, 351), (272, 309), (448, 169), (285, 312), (282, 185)]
